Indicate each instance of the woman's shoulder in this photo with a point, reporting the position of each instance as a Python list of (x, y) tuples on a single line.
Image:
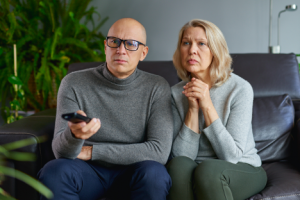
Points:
[(238, 87), (238, 83)]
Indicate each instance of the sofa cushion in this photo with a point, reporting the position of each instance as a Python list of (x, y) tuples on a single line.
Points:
[(272, 122), (283, 182)]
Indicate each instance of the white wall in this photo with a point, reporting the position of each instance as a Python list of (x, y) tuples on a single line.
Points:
[(245, 23)]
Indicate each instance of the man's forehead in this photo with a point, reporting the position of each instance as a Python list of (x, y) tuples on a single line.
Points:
[(124, 29)]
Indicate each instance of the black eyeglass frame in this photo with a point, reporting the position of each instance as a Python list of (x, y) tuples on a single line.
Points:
[(108, 37)]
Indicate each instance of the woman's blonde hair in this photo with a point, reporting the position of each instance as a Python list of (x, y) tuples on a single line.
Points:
[(220, 68)]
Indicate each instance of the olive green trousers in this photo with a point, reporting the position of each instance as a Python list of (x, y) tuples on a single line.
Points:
[(214, 179)]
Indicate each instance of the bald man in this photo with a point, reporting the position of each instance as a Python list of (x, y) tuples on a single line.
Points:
[(121, 152)]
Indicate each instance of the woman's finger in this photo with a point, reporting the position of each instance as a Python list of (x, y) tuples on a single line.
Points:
[(200, 85), (193, 89)]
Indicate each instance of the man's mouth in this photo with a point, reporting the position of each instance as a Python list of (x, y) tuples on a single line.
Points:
[(120, 60)]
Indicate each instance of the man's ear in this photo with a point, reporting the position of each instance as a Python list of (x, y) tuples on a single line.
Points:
[(144, 53), (105, 47)]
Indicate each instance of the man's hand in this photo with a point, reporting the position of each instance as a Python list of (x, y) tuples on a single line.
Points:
[(83, 130), (86, 153)]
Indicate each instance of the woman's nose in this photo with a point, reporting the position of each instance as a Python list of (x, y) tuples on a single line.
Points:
[(193, 49)]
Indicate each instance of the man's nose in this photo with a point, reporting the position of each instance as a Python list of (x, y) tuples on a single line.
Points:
[(121, 49)]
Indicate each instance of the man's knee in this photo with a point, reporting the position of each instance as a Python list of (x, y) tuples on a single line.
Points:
[(57, 169), (151, 173)]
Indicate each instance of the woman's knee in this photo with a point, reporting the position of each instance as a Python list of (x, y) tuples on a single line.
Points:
[(207, 174), (181, 164), (181, 171)]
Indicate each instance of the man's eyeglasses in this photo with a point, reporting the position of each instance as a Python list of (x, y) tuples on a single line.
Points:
[(130, 45)]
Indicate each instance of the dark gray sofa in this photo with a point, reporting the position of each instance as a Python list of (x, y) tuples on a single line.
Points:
[(276, 125)]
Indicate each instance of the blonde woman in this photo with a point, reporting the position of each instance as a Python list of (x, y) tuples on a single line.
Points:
[(214, 155)]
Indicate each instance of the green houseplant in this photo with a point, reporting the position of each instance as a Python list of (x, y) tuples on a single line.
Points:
[(298, 55), (49, 35), (19, 99)]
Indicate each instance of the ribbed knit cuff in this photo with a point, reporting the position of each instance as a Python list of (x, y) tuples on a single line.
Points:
[(189, 135)]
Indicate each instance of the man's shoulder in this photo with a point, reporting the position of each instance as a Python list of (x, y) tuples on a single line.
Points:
[(153, 79), (80, 76), (83, 72)]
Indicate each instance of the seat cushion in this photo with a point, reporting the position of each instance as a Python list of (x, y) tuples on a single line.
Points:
[(283, 182), (272, 122)]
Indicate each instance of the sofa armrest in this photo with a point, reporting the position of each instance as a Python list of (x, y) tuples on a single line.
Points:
[(297, 139), (297, 126), (40, 124)]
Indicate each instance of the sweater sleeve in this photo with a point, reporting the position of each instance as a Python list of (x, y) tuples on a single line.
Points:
[(158, 137), (229, 140), (185, 141), (64, 144)]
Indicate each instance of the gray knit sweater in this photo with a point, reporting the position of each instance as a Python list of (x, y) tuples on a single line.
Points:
[(135, 114), (230, 137)]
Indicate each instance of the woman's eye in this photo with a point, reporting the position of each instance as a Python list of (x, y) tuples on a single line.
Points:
[(201, 44), (186, 43)]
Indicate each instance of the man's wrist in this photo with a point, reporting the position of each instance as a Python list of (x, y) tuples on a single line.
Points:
[(91, 152)]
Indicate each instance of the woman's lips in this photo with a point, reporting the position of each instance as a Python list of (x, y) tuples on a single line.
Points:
[(192, 61)]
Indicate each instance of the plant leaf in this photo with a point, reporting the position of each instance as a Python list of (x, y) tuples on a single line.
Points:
[(21, 156), (5, 197), (15, 80), (28, 180), (23, 143)]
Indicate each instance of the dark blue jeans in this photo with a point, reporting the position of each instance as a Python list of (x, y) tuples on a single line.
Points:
[(79, 180)]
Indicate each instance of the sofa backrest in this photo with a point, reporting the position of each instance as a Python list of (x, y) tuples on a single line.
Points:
[(269, 74)]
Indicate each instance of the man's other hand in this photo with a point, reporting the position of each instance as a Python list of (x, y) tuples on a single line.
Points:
[(86, 153), (83, 130)]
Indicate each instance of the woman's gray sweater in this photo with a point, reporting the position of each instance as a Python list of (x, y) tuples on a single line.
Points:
[(135, 113), (230, 137)]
